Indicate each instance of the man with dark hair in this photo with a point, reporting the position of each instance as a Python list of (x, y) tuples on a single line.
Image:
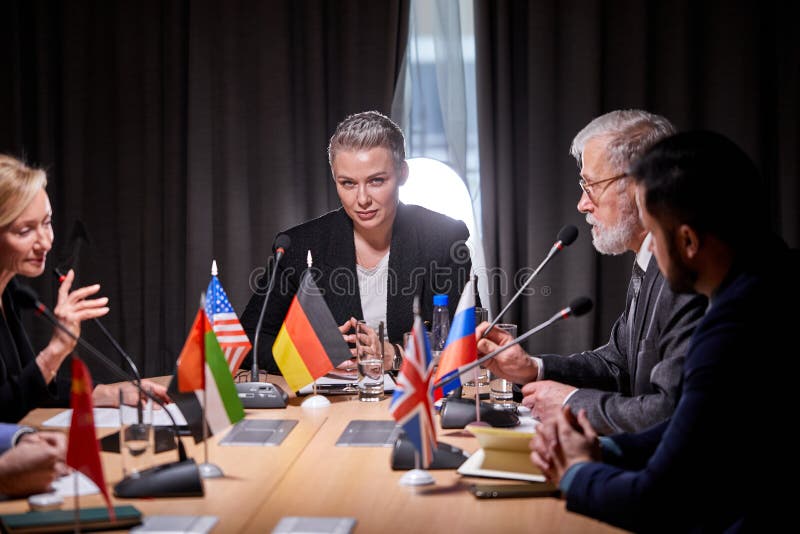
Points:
[(690, 473), (633, 381)]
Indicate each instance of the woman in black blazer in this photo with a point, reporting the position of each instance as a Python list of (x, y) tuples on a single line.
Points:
[(373, 255), (26, 236)]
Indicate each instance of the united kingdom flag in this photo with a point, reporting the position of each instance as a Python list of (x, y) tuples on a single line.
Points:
[(230, 334), (412, 403)]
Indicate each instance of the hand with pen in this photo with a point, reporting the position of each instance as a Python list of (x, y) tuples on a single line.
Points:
[(563, 442)]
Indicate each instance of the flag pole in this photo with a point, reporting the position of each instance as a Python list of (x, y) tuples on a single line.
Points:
[(315, 400), (418, 476), (475, 373), (76, 497), (207, 469)]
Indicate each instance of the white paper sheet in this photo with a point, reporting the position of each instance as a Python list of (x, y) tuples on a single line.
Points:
[(109, 417), (65, 486)]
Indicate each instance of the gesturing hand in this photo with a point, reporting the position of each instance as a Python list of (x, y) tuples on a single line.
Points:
[(513, 363), (72, 308)]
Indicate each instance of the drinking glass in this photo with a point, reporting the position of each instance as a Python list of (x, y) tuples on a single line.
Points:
[(481, 315), (407, 336), (370, 363), (501, 390), (136, 437)]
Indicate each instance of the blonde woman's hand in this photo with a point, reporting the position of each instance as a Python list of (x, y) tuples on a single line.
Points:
[(74, 307)]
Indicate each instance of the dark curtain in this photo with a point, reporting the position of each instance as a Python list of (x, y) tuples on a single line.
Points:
[(184, 131), (545, 68)]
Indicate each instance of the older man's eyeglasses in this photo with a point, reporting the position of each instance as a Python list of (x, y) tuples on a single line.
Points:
[(593, 192)]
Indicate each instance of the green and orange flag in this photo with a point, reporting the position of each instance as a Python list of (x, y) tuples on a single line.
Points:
[(202, 366), (83, 451), (309, 343)]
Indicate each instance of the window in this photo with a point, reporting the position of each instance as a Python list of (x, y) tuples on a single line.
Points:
[(436, 107)]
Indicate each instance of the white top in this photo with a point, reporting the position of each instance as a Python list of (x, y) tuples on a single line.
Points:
[(372, 284), (644, 254)]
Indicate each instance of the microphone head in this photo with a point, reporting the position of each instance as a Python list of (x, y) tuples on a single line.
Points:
[(26, 297), (567, 235), (580, 306), (282, 243)]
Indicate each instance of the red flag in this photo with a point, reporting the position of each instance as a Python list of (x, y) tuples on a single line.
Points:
[(83, 451), (191, 362)]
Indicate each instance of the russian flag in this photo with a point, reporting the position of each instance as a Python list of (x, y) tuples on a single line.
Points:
[(461, 347)]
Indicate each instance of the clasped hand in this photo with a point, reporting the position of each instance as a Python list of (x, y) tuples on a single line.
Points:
[(33, 464), (563, 442), (366, 339)]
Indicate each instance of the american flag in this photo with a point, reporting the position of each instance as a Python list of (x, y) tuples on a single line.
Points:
[(412, 403), (230, 334)]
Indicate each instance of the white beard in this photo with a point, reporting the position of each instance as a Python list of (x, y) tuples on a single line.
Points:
[(614, 240)]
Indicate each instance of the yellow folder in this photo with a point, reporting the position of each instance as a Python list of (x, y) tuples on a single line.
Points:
[(504, 453)]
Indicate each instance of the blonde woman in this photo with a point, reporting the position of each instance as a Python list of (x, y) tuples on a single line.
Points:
[(27, 377)]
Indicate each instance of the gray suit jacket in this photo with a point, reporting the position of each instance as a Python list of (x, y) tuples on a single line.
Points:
[(630, 384)]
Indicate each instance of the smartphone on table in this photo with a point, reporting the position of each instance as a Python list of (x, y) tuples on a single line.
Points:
[(501, 491)]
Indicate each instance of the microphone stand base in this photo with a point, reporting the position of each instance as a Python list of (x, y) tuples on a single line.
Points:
[(261, 395), (176, 479)]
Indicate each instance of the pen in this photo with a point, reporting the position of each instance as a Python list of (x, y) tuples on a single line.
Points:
[(380, 339)]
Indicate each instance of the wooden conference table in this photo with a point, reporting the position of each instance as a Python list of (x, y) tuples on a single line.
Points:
[(307, 475)]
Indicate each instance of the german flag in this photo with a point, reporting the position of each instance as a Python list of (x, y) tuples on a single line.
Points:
[(309, 343)]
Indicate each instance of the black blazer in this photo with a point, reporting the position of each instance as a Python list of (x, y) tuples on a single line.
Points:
[(22, 386), (428, 255)]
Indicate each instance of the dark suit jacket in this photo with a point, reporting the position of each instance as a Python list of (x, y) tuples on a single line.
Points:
[(630, 384), (716, 462), (428, 255), (22, 386)]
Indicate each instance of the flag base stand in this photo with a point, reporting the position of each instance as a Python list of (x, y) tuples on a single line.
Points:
[(315, 401), (416, 477), (478, 423), (208, 470)]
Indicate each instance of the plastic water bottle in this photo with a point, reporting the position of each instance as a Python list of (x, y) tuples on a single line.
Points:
[(441, 325)]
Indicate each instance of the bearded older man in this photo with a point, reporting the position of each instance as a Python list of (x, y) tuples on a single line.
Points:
[(634, 380)]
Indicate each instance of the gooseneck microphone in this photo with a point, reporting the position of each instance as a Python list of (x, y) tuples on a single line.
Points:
[(176, 479), (282, 242), (579, 306), (255, 394), (566, 236), (109, 337)]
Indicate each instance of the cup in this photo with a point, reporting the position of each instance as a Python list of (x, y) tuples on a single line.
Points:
[(481, 315), (136, 437), (370, 364), (407, 336), (501, 391)]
